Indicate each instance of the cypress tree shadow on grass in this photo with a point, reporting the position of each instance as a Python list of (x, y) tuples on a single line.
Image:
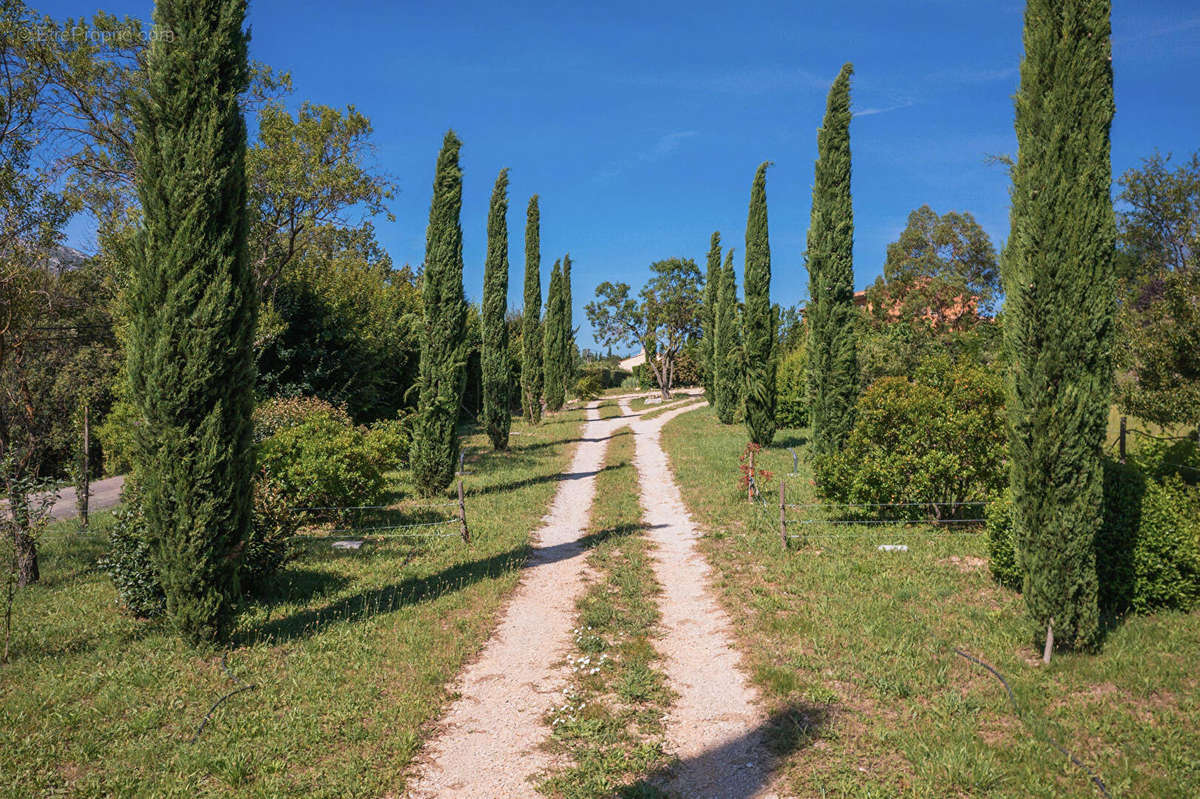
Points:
[(786, 731), (388, 598)]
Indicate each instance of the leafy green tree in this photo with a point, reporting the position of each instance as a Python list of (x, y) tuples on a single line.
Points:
[(1159, 238), (727, 345), (1059, 288), (191, 366), (942, 268), (665, 321), (496, 416), (443, 335), (555, 342), (531, 329), (708, 317), (345, 327), (758, 320), (832, 354)]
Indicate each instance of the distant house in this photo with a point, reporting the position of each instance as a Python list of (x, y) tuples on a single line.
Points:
[(632, 361), (947, 310)]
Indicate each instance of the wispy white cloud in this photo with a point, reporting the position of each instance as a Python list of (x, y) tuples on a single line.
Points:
[(663, 146), (744, 80), (971, 75), (868, 112), (667, 144), (1155, 30)]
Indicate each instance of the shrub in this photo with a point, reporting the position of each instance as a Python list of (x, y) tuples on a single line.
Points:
[(1147, 550), (389, 441), (129, 565), (938, 440), (791, 404), (1159, 458), (1166, 556), (631, 383), (273, 528), (128, 561), (588, 387), (281, 413), (323, 462), (1002, 543)]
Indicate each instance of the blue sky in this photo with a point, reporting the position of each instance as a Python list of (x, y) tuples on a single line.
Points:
[(641, 124)]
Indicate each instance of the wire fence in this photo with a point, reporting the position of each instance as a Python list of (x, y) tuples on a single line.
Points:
[(397, 520)]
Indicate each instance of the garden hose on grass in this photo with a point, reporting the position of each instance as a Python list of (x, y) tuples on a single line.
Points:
[(242, 688), (1017, 711)]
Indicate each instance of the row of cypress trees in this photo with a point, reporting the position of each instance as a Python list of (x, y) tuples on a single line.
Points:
[(740, 356)]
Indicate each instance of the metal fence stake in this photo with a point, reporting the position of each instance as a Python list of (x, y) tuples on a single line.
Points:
[(782, 515), (462, 513)]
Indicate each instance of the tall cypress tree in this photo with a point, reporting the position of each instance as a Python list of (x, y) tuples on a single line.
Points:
[(708, 317), (758, 322), (832, 354), (568, 356), (494, 355), (1059, 287), (442, 374), (553, 343), (193, 307), (531, 322), (727, 344)]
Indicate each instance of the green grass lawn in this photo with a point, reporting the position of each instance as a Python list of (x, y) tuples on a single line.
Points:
[(610, 728), (862, 643), (351, 656)]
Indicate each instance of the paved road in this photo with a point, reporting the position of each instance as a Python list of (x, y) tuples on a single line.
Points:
[(104, 494)]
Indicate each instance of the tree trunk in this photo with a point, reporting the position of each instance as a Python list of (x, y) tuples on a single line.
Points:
[(27, 561)]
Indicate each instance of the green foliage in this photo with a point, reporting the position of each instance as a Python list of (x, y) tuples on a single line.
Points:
[(1059, 302), (832, 352), (342, 324), (1166, 557), (937, 439), (442, 373), (727, 346), (1160, 458), (1002, 542), (1147, 550), (1160, 353), (664, 322), (899, 347), (130, 566), (588, 387), (568, 334), (282, 413), (531, 318), (951, 253), (324, 462), (129, 563), (791, 407), (554, 343), (759, 324), (708, 317), (494, 340), (193, 308), (269, 544)]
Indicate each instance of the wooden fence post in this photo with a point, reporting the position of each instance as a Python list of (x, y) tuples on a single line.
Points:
[(782, 515), (1121, 446), (462, 513)]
